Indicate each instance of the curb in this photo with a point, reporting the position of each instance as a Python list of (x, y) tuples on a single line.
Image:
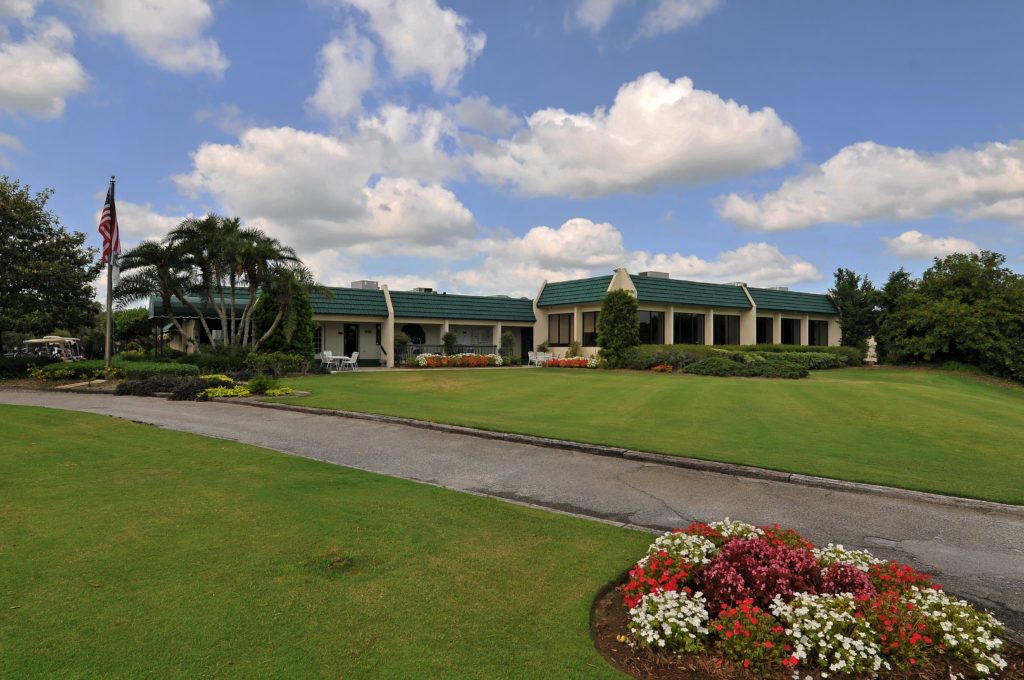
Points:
[(731, 469)]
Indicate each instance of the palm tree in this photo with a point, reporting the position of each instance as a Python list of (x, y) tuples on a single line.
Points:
[(153, 268), (223, 254), (284, 282)]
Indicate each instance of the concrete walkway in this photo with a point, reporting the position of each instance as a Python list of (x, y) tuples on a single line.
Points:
[(976, 553)]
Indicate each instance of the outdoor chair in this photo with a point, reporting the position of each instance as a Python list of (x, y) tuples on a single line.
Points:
[(532, 358), (326, 359), (350, 362)]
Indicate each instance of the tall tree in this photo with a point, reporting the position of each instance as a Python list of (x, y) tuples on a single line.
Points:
[(966, 307), (618, 326), (221, 255), (155, 269), (286, 284), (46, 272), (855, 298), (891, 322), (295, 330)]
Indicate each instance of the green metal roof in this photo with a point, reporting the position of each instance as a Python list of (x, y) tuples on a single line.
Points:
[(574, 292), (679, 292), (183, 311), (791, 301), (349, 302), (409, 304)]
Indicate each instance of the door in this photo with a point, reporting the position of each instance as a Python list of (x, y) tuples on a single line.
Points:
[(525, 344), (351, 339)]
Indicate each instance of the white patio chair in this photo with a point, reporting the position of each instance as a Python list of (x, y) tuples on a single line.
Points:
[(350, 362), (532, 358), (326, 359)]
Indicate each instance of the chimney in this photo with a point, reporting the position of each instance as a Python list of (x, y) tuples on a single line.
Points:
[(365, 285), (654, 275)]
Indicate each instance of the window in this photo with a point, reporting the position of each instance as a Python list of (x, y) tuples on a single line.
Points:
[(590, 329), (727, 329), (417, 335), (559, 329), (318, 339), (378, 335), (817, 332), (764, 330), (688, 329), (791, 331), (652, 328)]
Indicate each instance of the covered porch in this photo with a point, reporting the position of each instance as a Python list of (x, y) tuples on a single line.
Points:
[(345, 336)]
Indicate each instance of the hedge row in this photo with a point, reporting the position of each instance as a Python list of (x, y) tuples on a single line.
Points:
[(135, 370), (854, 356), (725, 367), (810, 358), (19, 367)]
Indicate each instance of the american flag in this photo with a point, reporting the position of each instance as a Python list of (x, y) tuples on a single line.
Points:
[(108, 226)]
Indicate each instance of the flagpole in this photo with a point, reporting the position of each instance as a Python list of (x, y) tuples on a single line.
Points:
[(108, 344)]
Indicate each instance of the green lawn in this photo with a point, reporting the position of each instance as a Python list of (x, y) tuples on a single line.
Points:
[(917, 429), (130, 551)]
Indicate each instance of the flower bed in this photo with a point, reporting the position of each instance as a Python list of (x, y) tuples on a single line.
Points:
[(728, 599), (574, 362), (466, 360)]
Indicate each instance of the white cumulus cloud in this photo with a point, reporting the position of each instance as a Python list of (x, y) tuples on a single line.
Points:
[(421, 38), (670, 15), (594, 15), (18, 9), (868, 181), (479, 114), (581, 248), (915, 244), (656, 132), (169, 33), (346, 73), (38, 74)]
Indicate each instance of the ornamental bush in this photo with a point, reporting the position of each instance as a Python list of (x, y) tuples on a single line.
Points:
[(21, 367), (748, 634), (465, 360), (572, 362), (755, 569), (618, 327), (643, 357), (131, 370), (845, 578)]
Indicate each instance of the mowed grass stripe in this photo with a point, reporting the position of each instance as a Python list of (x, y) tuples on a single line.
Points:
[(129, 551), (915, 429)]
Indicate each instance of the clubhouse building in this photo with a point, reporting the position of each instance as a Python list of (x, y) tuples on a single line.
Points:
[(365, 317)]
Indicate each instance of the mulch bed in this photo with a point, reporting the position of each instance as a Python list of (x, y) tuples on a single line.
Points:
[(609, 618)]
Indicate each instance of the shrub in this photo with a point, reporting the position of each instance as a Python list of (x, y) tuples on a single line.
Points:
[(221, 392), (963, 632), (854, 356), (508, 343), (402, 342), (845, 578), (723, 367), (448, 340), (191, 389), (218, 360), (618, 326), (131, 370), (466, 360), (21, 367), (643, 357), (280, 392), (260, 384), (757, 570), (157, 384), (277, 363), (575, 349)]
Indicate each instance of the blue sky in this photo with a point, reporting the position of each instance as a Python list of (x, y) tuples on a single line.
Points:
[(486, 146)]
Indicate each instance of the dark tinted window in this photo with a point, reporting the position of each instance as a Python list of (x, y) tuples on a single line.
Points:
[(727, 329), (791, 331), (652, 328), (688, 329), (590, 329), (764, 330), (559, 329), (817, 333)]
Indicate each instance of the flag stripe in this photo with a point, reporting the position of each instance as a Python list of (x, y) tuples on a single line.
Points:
[(108, 226)]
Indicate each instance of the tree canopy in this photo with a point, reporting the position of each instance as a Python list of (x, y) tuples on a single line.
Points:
[(618, 326), (46, 272), (855, 298)]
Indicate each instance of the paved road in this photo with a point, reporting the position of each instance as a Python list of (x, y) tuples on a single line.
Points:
[(976, 553)]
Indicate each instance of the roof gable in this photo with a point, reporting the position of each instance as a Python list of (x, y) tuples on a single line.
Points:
[(577, 291)]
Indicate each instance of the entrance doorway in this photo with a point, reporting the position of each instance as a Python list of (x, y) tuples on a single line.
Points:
[(351, 339), (525, 345)]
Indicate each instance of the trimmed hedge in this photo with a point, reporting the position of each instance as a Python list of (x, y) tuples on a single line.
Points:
[(133, 370), (644, 357), (219, 360), (724, 367), (19, 367), (854, 356)]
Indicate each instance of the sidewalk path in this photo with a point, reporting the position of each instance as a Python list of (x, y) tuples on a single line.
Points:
[(976, 553)]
